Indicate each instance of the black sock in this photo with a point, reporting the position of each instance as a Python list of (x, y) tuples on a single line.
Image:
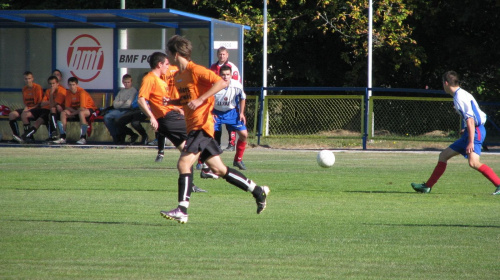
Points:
[(185, 182), (14, 126), (161, 142), (236, 178)]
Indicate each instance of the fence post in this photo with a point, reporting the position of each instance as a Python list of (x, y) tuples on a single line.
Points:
[(261, 115), (366, 119)]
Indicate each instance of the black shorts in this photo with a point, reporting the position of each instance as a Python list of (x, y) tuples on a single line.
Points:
[(173, 126), (200, 141), (40, 113)]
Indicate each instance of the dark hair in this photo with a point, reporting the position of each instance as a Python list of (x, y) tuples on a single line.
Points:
[(452, 78), (156, 58), (180, 45), (28, 73), (126, 76), (73, 80), (57, 70), (53, 78), (225, 67)]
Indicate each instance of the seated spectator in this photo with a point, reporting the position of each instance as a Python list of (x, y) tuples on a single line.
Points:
[(134, 116), (78, 104), (32, 97), (121, 106), (52, 102)]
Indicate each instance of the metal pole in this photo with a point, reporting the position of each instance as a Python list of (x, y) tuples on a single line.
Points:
[(369, 86), (123, 44), (264, 66)]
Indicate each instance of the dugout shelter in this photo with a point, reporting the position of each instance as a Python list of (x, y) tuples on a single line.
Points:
[(99, 46)]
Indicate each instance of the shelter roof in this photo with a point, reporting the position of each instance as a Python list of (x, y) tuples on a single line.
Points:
[(119, 18)]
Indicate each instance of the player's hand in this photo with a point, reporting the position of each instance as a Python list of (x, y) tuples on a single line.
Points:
[(154, 123), (194, 104), (165, 101), (243, 119), (469, 149)]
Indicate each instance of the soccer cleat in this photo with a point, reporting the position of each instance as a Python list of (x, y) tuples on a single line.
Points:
[(497, 191), (261, 199), (175, 215), (420, 188), (82, 141), (230, 148), (206, 173), (199, 166), (197, 189), (59, 141), (159, 158), (240, 165), (18, 139)]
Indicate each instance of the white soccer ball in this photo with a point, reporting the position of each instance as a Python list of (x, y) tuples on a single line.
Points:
[(325, 158)]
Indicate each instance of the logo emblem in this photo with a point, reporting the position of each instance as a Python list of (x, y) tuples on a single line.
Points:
[(85, 58)]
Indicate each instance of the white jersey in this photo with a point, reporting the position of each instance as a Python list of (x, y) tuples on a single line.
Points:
[(230, 97), (467, 107)]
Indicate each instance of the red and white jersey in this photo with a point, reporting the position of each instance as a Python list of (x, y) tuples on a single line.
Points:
[(230, 97), (235, 72)]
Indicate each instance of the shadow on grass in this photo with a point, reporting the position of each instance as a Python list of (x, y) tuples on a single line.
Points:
[(56, 189), (435, 225), (377, 192), (167, 223)]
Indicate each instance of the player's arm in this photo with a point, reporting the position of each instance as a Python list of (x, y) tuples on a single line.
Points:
[(143, 104), (242, 111), (218, 86), (470, 129)]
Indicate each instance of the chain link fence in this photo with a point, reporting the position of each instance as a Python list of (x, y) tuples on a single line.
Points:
[(413, 117), (416, 118)]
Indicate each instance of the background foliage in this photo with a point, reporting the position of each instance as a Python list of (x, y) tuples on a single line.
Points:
[(323, 42)]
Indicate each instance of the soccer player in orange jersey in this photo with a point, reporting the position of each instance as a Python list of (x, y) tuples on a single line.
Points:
[(196, 86), (78, 104), (157, 87), (52, 102), (32, 96)]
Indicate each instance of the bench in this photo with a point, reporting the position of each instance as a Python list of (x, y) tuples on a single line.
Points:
[(99, 131)]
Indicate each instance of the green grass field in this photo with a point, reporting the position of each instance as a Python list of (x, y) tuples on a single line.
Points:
[(72, 213)]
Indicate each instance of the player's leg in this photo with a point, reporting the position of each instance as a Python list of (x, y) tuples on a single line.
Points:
[(438, 171), (41, 117), (238, 179), (61, 124), (231, 139), (240, 148), (25, 118), (137, 118), (184, 184), (13, 116), (474, 162), (83, 114)]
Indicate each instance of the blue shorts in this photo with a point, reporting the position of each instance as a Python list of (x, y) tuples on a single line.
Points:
[(230, 118), (460, 145)]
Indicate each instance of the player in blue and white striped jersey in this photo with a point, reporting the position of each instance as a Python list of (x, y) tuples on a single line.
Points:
[(229, 109), (469, 145)]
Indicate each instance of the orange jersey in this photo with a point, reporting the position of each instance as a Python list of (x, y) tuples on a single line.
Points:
[(32, 96), (59, 96), (193, 82), (154, 89), (80, 99)]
